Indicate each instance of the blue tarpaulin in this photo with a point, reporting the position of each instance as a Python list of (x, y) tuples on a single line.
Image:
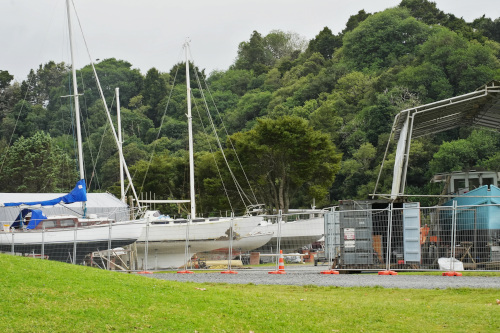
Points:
[(36, 217), (78, 194)]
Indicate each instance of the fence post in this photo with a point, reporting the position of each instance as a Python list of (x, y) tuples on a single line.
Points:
[(146, 248), (230, 252), (43, 241), (74, 243), (187, 257), (453, 235), (109, 246), (278, 241), (389, 236)]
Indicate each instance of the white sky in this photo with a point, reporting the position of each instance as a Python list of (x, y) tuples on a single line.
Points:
[(150, 33)]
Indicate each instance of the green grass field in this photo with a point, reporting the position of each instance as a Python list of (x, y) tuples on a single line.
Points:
[(44, 296)]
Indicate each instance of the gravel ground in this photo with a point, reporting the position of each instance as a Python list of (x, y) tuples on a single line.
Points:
[(312, 276)]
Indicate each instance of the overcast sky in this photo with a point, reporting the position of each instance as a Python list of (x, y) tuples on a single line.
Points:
[(150, 33)]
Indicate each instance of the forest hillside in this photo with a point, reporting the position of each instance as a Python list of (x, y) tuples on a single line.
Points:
[(298, 120)]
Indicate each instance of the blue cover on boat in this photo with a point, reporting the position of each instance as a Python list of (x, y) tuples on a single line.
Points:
[(78, 194), (36, 217)]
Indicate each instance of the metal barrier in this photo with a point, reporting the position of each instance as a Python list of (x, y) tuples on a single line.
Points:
[(356, 236), (362, 236)]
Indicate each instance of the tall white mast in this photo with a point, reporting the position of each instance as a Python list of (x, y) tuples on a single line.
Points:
[(119, 121), (190, 130), (77, 107), (75, 94)]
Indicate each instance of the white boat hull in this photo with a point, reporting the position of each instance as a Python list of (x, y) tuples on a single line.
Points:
[(58, 244), (166, 243), (294, 234), (243, 244)]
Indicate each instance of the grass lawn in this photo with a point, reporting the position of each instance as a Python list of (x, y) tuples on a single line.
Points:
[(44, 296)]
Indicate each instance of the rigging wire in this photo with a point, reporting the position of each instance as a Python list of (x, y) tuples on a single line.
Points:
[(227, 134), (213, 155), (155, 142), (238, 186), (85, 126), (108, 114)]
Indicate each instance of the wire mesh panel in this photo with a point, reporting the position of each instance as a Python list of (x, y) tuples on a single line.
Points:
[(68, 238), (405, 236)]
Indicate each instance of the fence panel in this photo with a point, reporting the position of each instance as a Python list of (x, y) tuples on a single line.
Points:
[(409, 237)]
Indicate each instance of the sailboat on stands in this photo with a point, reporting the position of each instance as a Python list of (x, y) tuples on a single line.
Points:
[(302, 228), (65, 237), (170, 243)]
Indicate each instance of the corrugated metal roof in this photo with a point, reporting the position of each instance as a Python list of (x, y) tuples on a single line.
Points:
[(478, 108)]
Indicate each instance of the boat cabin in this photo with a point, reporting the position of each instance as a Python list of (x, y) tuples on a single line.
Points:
[(34, 219)]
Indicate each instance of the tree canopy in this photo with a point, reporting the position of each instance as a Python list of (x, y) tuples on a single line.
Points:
[(308, 119)]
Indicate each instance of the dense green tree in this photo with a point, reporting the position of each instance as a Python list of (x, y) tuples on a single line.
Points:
[(38, 85), (154, 90), (283, 44), (465, 154), (253, 55), (488, 27), (285, 155), (9, 96), (466, 65), (5, 79), (355, 20), (251, 106), (383, 38), (425, 11), (325, 43), (112, 73), (28, 158)]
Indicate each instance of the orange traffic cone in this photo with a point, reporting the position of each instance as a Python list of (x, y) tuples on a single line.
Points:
[(281, 265)]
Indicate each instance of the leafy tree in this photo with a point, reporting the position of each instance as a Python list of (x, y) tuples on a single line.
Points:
[(9, 96), (253, 55), (286, 155), (325, 43), (167, 176), (355, 20), (464, 154), (383, 38), (357, 170), (5, 79), (236, 81), (251, 106), (154, 90), (377, 119), (112, 73), (428, 81), (29, 158), (425, 11), (284, 44), (488, 27), (134, 123), (466, 65), (38, 85)]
